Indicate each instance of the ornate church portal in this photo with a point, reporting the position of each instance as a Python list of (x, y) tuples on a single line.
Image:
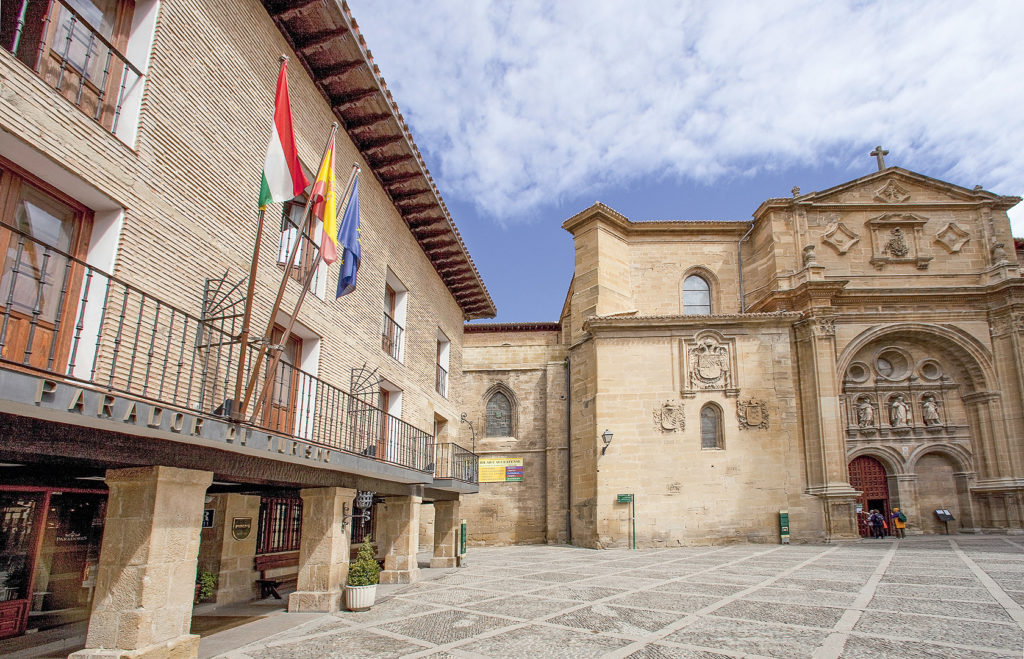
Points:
[(868, 476)]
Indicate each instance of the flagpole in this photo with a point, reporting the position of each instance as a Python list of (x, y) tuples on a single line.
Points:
[(275, 360), (243, 337), (255, 367)]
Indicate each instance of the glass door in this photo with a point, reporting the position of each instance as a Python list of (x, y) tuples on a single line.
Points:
[(20, 517)]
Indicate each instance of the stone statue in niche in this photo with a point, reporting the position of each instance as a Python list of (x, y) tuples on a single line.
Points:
[(670, 417), (865, 414), (899, 413), (752, 414), (930, 412), (709, 365)]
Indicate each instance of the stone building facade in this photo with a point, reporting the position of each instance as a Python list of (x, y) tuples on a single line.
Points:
[(132, 137), (846, 350)]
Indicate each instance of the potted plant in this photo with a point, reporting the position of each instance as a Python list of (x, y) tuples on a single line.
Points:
[(361, 590), (206, 583)]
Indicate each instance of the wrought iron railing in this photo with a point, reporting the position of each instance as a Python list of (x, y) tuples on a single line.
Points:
[(391, 337), (63, 317), (455, 462), (441, 381), (72, 56)]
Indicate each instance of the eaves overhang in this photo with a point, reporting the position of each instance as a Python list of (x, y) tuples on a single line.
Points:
[(327, 43)]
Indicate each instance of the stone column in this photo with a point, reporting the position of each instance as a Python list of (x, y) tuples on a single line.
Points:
[(323, 552), (965, 501), (446, 534), (400, 517), (236, 579), (145, 581), (908, 501)]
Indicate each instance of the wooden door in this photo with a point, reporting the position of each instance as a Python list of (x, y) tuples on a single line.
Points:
[(280, 409), (868, 475), (39, 284)]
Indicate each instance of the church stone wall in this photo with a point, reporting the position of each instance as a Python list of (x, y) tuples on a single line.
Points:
[(658, 268)]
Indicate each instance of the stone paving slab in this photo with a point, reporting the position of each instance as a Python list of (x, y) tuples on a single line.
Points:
[(923, 597)]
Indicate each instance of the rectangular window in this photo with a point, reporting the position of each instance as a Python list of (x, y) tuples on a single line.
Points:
[(78, 47), (308, 238), (280, 525), (392, 331), (39, 283), (443, 350)]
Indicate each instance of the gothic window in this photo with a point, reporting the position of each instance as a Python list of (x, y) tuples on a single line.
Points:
[(696, 296), (710, 427), (499, 416)]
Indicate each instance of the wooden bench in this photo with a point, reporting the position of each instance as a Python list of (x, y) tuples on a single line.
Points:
[(265, 562)]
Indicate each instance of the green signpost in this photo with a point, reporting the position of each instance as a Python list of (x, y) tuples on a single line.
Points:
[(628, 498)]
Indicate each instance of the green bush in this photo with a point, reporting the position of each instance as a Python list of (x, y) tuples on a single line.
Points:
[(207, 582), (364, 571)]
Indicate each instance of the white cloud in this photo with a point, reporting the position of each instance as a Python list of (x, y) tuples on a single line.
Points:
[(521, 104)]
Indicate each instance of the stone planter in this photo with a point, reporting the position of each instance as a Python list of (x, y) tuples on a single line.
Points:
[(360, 598)]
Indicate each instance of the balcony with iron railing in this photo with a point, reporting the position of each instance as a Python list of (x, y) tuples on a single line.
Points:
[(72, 55), (441, 381), (455, 463), (391, 337), (62, 318)]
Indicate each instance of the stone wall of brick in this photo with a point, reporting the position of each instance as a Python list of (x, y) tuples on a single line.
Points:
[(190, 183)]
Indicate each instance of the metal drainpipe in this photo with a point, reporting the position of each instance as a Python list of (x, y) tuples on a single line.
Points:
[(568, 451), (739, 265)]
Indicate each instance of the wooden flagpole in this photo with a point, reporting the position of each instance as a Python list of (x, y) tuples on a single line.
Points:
[(243, 337), (275, 360), (255, 367)]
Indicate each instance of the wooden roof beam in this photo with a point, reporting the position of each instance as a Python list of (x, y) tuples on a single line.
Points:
[(343, 101), (366, 120), (388, 161), (401, 178), (329, 74), (399, 196), (380, 142), (286, 11), (318, 39), (416, 208)]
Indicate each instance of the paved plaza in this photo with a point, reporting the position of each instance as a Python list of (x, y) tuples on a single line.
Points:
[(934, 596)]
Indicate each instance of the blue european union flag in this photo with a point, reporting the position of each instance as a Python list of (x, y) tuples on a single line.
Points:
[(348, 241)]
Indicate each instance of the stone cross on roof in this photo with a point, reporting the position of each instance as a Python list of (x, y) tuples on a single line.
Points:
[(880, 154)]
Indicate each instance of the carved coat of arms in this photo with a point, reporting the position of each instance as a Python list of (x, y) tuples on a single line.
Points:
[(709, 365), (897, 244), (669, 417), (752, 414)]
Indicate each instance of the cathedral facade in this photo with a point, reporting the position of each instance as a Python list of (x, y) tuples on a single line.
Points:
[(853, 349)]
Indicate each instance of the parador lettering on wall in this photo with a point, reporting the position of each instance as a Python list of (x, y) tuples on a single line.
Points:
[(53, 395)]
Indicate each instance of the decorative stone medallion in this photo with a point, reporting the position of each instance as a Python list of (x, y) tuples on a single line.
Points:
[(670, 417), (892, 193), (952, 237), (898, 238), (840, 238), (752, 413)]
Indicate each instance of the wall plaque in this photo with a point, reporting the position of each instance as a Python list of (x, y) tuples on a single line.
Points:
[(241, 527)]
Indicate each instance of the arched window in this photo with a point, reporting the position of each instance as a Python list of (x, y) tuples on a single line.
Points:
[(710, 427), (696, 296), (499, 416)]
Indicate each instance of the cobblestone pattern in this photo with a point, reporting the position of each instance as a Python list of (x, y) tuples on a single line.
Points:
[(922, 597)]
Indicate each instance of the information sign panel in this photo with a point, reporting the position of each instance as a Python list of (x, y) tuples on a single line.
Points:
[(501, 470)]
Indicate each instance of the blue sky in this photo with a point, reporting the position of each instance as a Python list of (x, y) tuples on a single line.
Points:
[(528, 112)]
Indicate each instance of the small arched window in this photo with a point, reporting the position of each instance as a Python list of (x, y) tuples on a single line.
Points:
[(499, 416), (710, 427), (696, 296)]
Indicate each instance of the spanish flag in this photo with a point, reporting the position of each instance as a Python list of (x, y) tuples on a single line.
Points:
[(325, 205), (282, 175)]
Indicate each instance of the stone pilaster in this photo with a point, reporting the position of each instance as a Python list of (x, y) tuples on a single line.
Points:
[(145, 581), (446, 534), (825, 443), (236, 580), (324, 551), (401, 519), (908, 502)]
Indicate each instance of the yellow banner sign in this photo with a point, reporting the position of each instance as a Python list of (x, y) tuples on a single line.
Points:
[(501, 470)]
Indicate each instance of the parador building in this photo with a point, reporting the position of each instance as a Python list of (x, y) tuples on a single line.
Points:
[(844, 350)]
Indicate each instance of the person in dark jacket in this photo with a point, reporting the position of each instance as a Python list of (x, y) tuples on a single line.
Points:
[(875, 521)]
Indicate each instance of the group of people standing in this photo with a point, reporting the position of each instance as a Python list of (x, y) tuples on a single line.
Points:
[(878, 525)]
